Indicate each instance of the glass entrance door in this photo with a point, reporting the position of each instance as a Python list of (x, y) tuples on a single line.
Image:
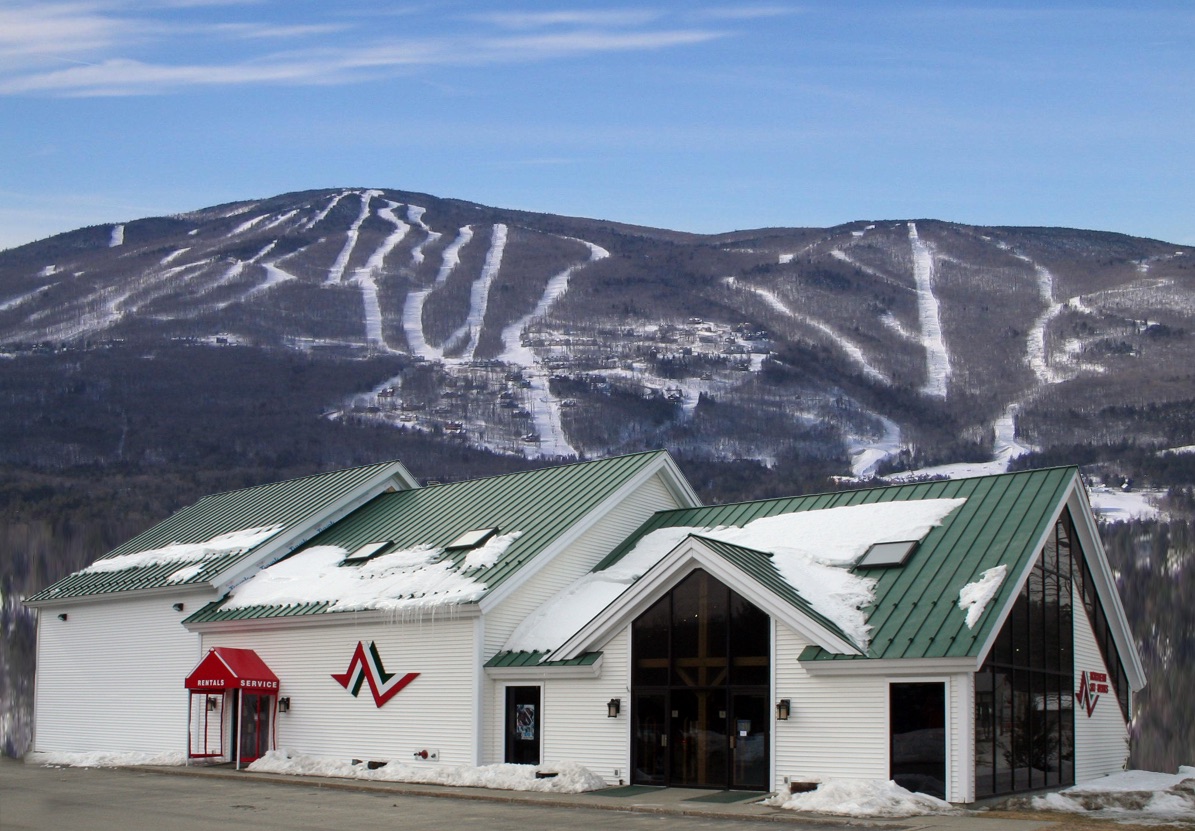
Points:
[(749, 741), (523, 725), (698, 738), (255, 713), (650, 714)]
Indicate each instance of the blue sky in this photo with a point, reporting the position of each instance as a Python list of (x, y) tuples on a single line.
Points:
[(688, 115)]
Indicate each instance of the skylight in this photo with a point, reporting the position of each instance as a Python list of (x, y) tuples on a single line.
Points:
[(366, 551), (887, 554), (472, 539)]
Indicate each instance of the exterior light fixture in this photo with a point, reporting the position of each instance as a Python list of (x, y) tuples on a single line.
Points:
[(213, 703), (178, 607), (613, 707), (284, 704), (783, 709), (62, 616)]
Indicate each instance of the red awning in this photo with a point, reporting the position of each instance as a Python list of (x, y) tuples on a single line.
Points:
[(225, 668)]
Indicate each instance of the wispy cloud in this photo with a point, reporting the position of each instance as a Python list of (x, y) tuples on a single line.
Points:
[(117, 52)]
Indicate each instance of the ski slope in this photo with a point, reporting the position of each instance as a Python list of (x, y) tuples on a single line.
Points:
[(937, 359)]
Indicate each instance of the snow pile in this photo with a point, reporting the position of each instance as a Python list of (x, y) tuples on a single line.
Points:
[(570, 777), (973, 598), (192, 552), (1131, 795), (109, 759), (810, 549), (863, 798), (406, 579)]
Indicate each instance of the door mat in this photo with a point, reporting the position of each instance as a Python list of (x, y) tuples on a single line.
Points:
[(724, 797), (627, 790)]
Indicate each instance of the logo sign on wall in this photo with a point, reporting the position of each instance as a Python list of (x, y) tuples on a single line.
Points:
[(1091, 686), (366, 667)]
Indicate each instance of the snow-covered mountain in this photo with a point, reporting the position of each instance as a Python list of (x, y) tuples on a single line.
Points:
[(868, 346)]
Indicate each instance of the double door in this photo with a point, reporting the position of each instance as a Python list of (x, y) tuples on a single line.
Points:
[(701, 738)]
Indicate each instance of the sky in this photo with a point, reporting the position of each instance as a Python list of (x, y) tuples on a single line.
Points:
[(689, 115)]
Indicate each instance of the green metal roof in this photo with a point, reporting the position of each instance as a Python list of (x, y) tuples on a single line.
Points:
[(290, 503), (915, 613), (541, 504), (535, 659)]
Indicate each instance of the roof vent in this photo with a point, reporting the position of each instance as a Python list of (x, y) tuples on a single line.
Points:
[(471, 539), (366, 551), (887, 554)]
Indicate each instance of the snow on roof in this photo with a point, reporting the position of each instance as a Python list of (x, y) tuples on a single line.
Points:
[(230, 543), (812, 550), (973, 598), (410, 578)]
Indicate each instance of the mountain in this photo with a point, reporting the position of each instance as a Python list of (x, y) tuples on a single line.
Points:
[(868, 346), (147, 363)]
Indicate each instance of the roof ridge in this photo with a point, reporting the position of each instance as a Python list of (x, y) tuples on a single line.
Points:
[(890, 486), (296, 479)]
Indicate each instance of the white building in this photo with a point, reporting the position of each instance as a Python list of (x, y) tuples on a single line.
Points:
[(964, 638)]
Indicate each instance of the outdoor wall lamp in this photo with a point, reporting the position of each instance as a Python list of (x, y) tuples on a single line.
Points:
[(62, 616), (178, 607), (783, 709), (213, 703), (284, 704), (613, 707)]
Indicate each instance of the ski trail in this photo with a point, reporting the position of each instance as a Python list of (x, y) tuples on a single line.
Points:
[(247, 224), (866, 455), (846, 345), (276, 222), (1036, 352), (24, 298), (319, 217), (174, 255), (479, 297), (336, 272), (412, 312), (275, 274), (844, 257), (546, 420), (937, 359), (366, 276), (117, 237), (415, 217)]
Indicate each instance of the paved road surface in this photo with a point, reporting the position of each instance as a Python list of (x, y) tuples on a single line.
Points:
[(89, 799)]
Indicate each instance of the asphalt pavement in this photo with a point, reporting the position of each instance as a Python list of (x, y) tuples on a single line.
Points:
[(199, 799)]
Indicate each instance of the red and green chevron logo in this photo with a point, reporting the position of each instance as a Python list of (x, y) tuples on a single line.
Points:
[(366, 666)]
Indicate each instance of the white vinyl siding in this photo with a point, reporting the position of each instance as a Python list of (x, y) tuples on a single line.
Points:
[(110, 677), (435, 712), (575, 561), (576, 724), (839, 724), (1101, 739)]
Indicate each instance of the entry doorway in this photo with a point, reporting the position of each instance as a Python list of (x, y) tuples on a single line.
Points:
[(917, 719), (252, 725), (524, 725), (700, 713)]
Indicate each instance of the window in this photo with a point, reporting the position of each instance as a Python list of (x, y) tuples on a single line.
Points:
[(366, 551), (888, 554), (472, 539)]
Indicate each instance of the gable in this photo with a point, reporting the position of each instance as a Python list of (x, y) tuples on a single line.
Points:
[(529, 512)]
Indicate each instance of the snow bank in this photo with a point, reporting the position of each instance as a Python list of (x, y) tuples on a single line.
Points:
[(973, 598), (811, 550), (863, 798), (234, 541), (1141, 795), (570, 777), (107, 759)]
